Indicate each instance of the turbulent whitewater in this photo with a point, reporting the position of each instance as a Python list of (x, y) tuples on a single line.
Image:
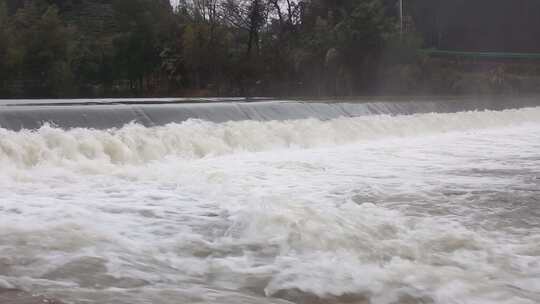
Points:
[(423, 208)]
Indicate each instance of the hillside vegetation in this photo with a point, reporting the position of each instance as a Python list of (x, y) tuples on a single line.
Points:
[(67, 48), (94, 48)]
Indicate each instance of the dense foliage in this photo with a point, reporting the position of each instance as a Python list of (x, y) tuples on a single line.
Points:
[(61, 48)]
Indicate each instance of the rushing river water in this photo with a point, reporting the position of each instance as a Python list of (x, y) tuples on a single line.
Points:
[(425, 208)]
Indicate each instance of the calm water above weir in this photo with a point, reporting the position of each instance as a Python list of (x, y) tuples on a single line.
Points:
[(423, 208)]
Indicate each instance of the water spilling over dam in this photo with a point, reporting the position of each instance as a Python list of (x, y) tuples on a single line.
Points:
[(271, 202)]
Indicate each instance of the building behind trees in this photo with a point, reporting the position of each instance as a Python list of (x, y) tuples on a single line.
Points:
[(478, 25)]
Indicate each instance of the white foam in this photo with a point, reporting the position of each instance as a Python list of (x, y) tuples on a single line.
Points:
[(394, 214), (135, 144)]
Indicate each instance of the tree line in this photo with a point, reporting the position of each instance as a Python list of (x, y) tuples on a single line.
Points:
[(91, 48)]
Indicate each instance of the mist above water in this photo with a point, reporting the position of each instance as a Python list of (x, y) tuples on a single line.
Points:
[(425, 208)]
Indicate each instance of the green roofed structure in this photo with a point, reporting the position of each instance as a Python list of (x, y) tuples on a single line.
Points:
[(481, 56)]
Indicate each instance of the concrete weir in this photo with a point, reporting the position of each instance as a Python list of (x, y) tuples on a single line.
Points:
[(114, 113)]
